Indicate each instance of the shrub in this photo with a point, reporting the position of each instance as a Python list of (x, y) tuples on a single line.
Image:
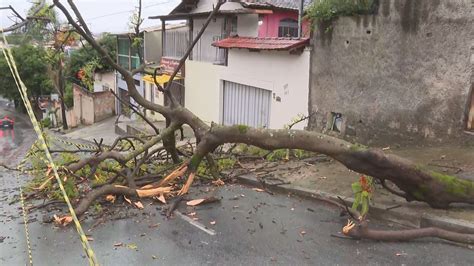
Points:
[(326, 10)]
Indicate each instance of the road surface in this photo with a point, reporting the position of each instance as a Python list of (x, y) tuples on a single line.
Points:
[(245, 228)]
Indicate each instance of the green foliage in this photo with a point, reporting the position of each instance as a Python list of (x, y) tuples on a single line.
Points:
[(70, 188), (363, 190), (32, 67), (358, 147), (46, 123), (89, 69), (326, 10), (242, 128), (454, 185), (68, 95), (226, 163), (97, 208), (87, 54), (38, 29), (277, 155)]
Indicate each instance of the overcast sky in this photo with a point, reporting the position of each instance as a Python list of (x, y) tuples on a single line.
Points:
[(101, 15)]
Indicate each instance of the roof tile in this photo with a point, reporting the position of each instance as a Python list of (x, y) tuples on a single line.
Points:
[(262, 43)]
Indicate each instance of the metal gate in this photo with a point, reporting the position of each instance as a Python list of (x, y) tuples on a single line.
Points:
[(245, 105)]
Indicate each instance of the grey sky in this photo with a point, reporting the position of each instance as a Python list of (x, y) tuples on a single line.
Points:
[(101, 15)]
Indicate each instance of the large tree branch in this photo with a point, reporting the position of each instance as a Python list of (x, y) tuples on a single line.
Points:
[(23, 21), (418, 183)]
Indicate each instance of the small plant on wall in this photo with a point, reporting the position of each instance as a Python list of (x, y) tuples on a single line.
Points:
[(327, 10)]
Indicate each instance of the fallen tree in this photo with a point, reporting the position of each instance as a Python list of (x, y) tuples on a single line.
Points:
[(415, 182)]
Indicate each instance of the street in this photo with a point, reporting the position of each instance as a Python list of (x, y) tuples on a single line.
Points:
[(245, 228)]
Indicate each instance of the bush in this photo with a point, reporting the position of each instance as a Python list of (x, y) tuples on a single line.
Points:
[(326, 10), (46, 123), (68, 96)]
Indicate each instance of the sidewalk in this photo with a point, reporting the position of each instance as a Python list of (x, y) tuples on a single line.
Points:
[(104, 129), (325, 178)]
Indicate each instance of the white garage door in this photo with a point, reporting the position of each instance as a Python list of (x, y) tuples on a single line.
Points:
[(245, 105)]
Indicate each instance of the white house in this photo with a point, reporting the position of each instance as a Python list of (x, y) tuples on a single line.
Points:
[(250, 66)]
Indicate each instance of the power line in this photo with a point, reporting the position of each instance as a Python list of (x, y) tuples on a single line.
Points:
[(127, 11)]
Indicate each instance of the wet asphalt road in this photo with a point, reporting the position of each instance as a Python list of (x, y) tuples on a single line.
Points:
[(251, 228)]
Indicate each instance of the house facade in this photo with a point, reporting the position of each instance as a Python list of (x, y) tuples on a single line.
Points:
[(166, 58), (250, 66), (128, 57), (154, 55)]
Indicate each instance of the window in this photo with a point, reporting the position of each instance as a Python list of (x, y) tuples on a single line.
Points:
[(233, 26), (128, 57), (123, 52), (288, 28)]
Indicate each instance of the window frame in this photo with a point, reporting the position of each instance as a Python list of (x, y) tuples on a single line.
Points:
[(288, 28)]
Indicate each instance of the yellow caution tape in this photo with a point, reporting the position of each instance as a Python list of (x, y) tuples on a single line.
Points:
[(24, 95)]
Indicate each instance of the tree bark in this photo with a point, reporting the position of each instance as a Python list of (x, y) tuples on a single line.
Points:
[(61, 94)]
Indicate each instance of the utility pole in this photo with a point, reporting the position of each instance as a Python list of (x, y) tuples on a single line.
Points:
[(300, 19)]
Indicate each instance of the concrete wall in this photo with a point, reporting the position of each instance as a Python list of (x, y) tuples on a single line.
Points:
[(401, 75), (203, 89), (83, 106), (285, 75), (104, 103), (153, 46), (91, 107), (104, 81)]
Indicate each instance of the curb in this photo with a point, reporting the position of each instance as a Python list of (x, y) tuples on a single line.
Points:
[(378, 211)]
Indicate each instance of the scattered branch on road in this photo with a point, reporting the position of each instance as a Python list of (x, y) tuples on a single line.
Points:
[(414, 182), (360, 230)]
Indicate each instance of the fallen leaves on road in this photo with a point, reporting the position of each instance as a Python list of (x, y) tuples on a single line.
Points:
[(139, 205), (127, 200), (192, 214), (218, 182), (213, 222), (258, 189), (162, 198), (132, 246), (110, 198), (63, 221), (118, 244), (154, 225), (302, 233), (195, 202)]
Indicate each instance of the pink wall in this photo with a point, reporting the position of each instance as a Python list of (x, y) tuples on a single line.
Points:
[(269, 27)]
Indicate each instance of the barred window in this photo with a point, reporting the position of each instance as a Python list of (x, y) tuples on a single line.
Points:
[(288, 28)]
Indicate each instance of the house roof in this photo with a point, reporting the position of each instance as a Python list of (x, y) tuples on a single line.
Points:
[(285, 4), (184, 8), (275, 44)]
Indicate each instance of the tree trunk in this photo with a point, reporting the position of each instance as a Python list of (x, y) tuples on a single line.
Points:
[(61, 94), (418, 182)]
